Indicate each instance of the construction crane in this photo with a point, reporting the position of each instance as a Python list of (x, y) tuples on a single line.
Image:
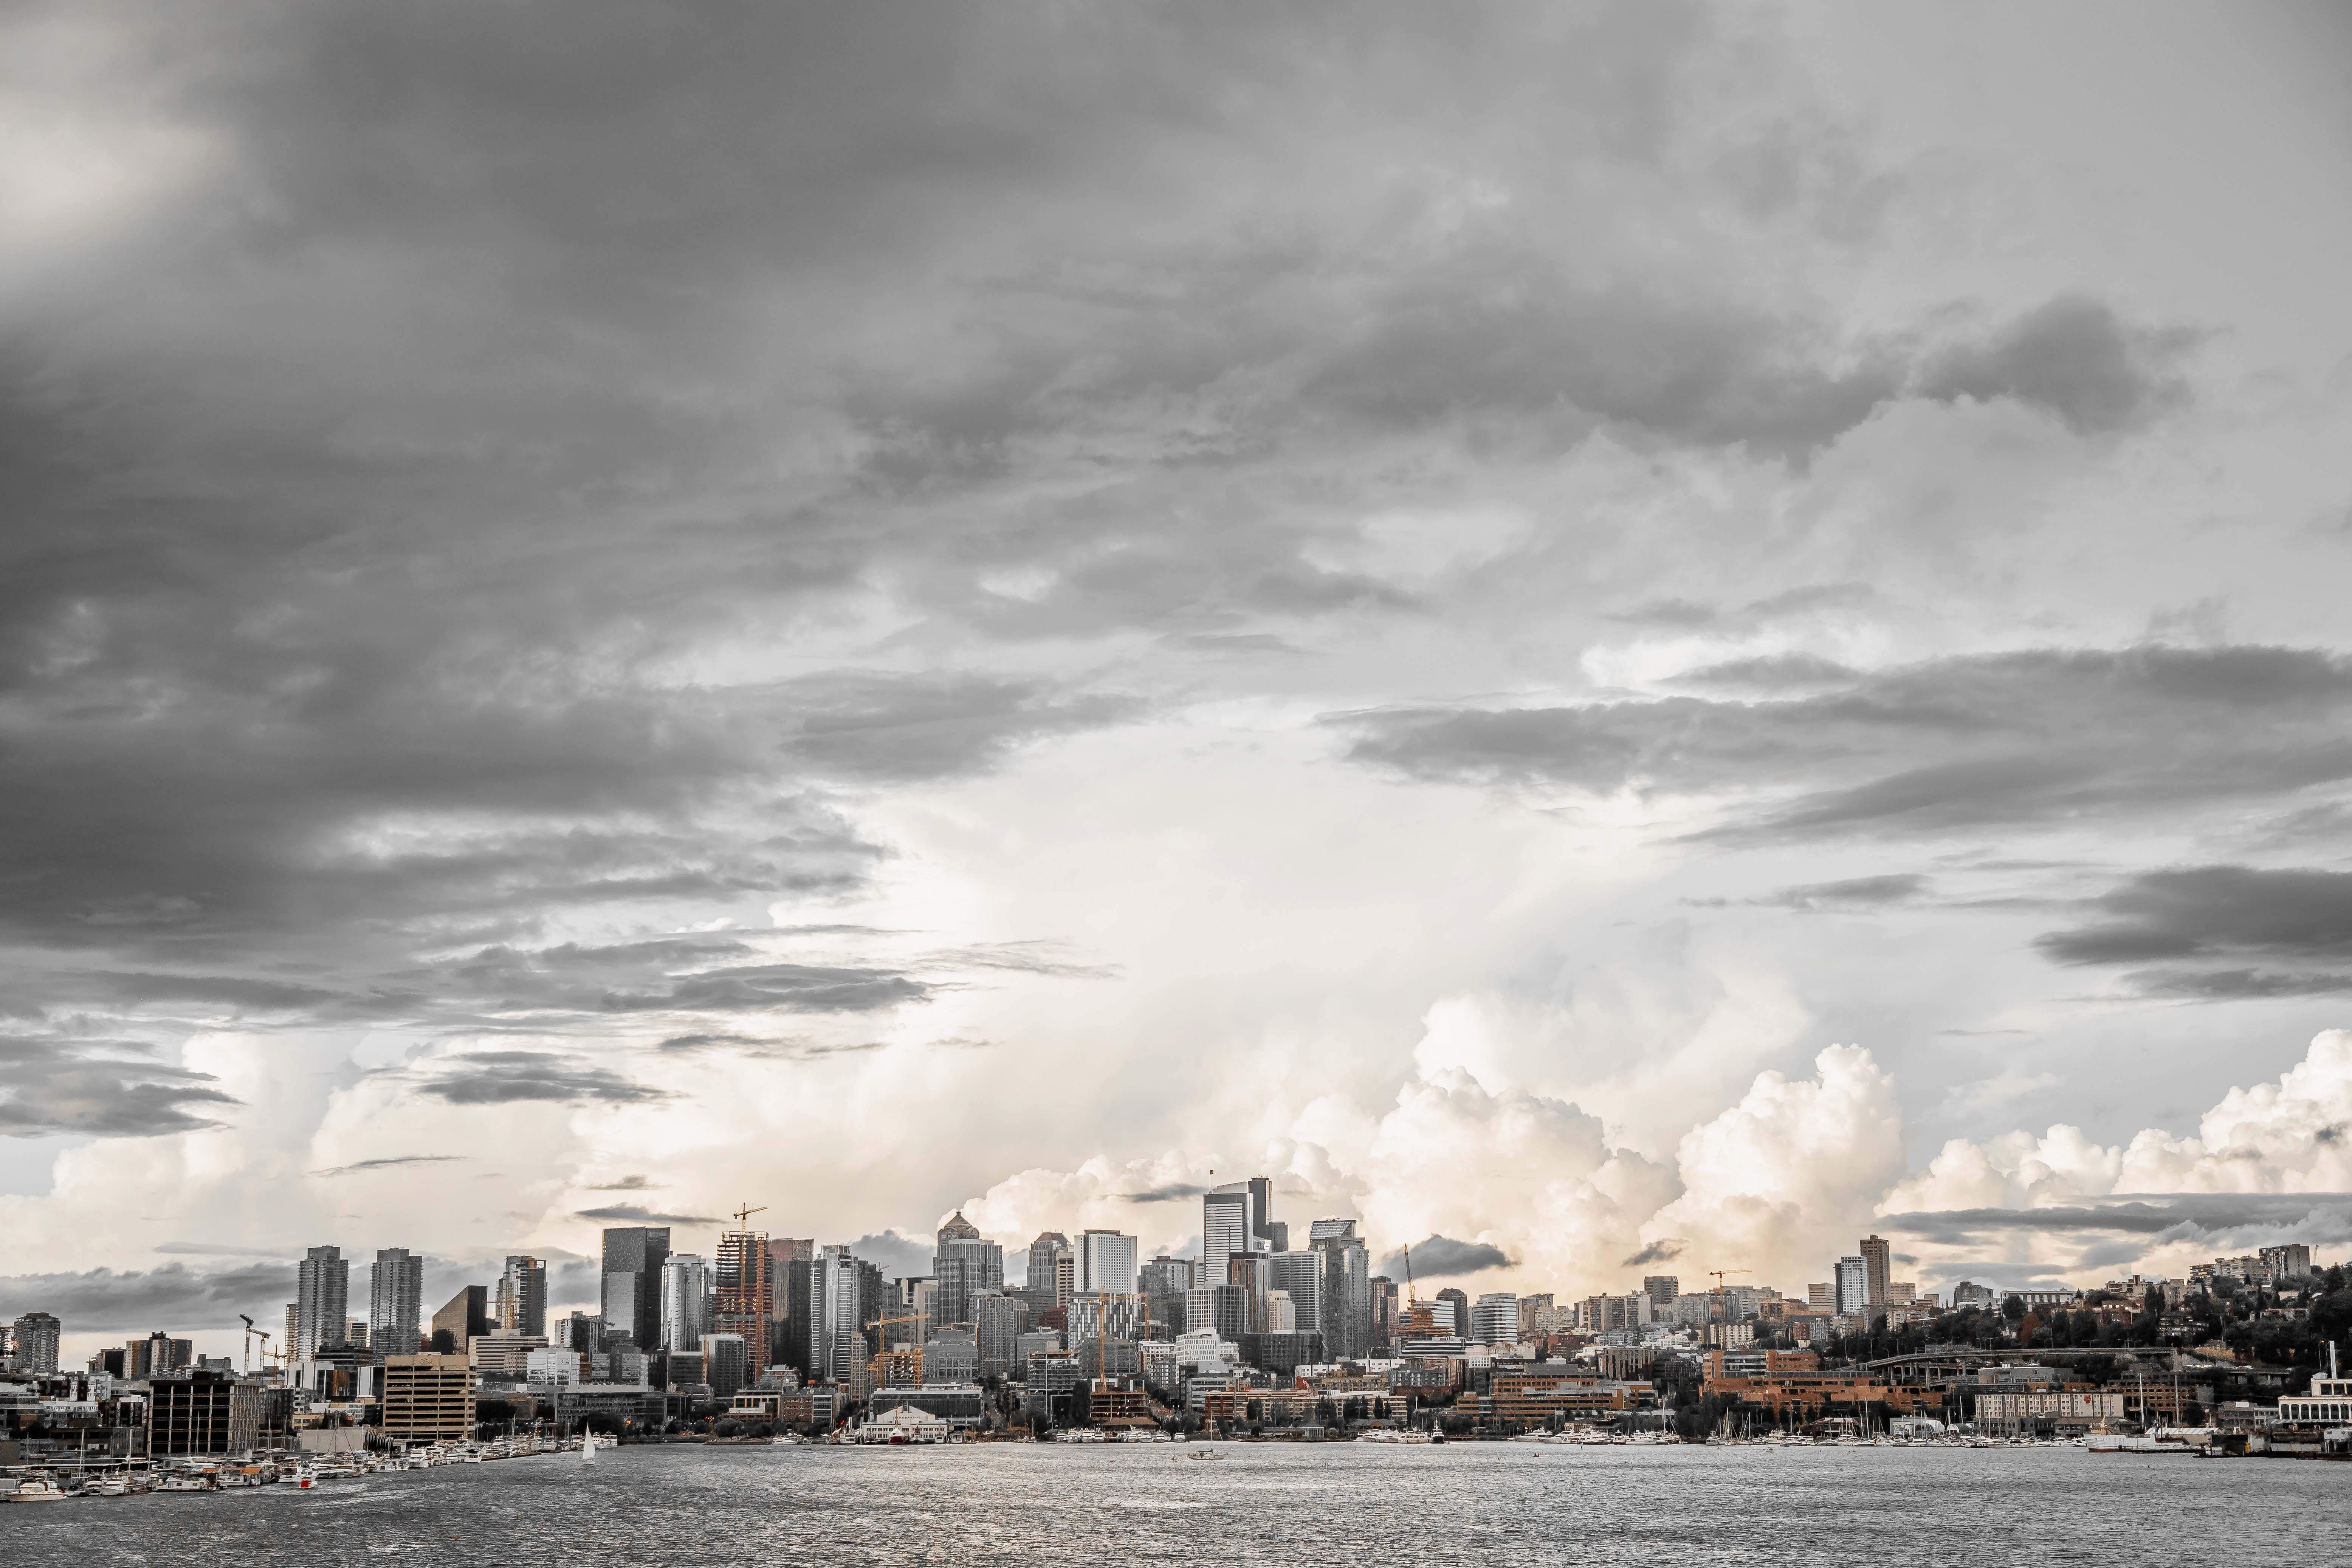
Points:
[(1412, 1296), (743, 1216), (250, 1331)]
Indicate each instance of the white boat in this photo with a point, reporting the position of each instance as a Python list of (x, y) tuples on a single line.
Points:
[(184, 1481), (587, 1448), (38, 1491)]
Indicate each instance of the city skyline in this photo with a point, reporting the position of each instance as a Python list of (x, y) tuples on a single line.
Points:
[(1605, 640)]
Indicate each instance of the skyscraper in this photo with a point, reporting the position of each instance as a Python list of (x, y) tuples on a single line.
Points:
[(1345, 1309), (465, 1317), (1228, 1223), (1876, 1271), (631, 1296), (966, 1262), (322, 1293), (1299, 1276), (836, 1340), (745, 1303), (788, 1259), (685, 1295), (396, 1300), (521, 1303), (37, 1335), (1262, 1225), (1661, 1289), (1106, 1262), (1852, 1285), (1043, 1285)]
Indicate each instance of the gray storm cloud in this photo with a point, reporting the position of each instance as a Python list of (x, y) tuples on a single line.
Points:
[(1049, 584)]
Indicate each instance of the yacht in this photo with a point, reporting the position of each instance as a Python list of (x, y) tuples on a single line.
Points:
[(38, 1491)]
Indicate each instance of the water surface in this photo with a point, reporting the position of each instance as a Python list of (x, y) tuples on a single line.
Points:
[(1295, 1507)]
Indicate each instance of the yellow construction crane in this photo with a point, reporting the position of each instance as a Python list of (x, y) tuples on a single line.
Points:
[(743, 1216), (1412, 1296)]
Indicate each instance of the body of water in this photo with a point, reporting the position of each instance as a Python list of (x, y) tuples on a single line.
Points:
[(1292, 1506)]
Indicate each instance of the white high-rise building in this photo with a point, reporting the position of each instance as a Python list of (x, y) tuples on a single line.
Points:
[(322, 1287), (396, 1300), (1852, 1285), (1107, 1263), (1279, 1318), (684, 1301), (1495, 1319)]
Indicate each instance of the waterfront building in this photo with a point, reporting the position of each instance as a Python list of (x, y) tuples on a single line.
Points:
[(630, 1286), (34, 1342), (322, 1289), (1853, 1286), (395, 1300), (521, 1303), (427, 1398), (463, 1318), (963, 1405), (200, 1413), (1877, 1270), (686, 1300), (726, 1364)]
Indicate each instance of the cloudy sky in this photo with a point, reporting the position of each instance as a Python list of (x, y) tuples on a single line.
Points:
[(1614, 632)]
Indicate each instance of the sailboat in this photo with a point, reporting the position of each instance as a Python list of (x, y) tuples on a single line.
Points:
[(588, 1446)]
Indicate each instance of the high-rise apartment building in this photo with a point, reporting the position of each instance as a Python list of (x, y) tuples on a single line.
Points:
[(1822, 1297), (1107, 1263), (1852, 1285), (1299, 1276), (322, 1294), (685, 1298), (1661, 1289), (396, 1300), (521, 1302), (35, 1341), (725, 1365), (1877, 1271), (966, 1262), (631, 1296), (744, 1295), (836, 1329), (1384, 1314)]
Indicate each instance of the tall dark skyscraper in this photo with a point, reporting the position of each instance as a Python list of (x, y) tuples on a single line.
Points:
[(521, 1303), (631, 1293), (321, 1285)]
